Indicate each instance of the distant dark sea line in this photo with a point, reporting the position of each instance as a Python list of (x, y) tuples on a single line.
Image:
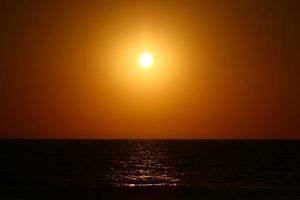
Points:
[(207, 169)]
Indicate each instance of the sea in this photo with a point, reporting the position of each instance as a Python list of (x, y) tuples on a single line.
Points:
[(269, 169)]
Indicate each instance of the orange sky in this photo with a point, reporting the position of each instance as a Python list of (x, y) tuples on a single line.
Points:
[(223, 69)]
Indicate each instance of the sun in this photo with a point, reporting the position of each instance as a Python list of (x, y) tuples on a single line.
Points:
[(146, 60)]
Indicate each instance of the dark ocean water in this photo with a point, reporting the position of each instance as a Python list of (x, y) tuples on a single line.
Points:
[(199, 164)]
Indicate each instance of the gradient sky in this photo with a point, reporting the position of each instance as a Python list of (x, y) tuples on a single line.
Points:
[(223, 69)]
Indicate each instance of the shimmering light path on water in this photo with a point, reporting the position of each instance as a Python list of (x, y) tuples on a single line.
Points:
[(144, 164)]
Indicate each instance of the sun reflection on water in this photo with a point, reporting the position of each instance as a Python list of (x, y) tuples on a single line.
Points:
[(142, 164)]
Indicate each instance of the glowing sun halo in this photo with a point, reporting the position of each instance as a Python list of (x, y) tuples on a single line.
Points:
[(146, 60)]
